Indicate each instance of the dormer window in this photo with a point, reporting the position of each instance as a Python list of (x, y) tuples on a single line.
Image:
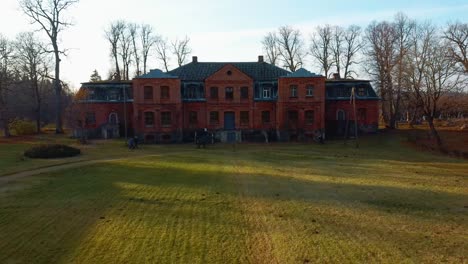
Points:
[(113, 95), (267, 92), (362, 92)]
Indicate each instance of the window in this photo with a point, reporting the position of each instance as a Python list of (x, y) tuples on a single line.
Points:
[(266, 116), (214, 92), (214, 117), (343, 91), (362, 92), (361, 114), (166, 118), (244, 117), (191, 91), (113, 95), (90, 118), (340, 114), (293, 91), (267, 92), (244, 92), (293, 116), (229, 93), (164, 92), (193, 118), (113, 119), (149, 119), (309, 90), (148, 92), (309, 117)]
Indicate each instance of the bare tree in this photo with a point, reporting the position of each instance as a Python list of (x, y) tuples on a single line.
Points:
[(270, 47), (381, 53), (321, 47), (432, 73), (113, 35), (49, 15), (125, 51), (352, 45), (181, 49), (32, 59), (457, 36), (148, 40), (134, 31), (291, 47), (336, 47), (162, 50), (403, 28), (6, 54)]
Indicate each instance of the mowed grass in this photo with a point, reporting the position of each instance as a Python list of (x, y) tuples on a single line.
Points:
[(278, 203)]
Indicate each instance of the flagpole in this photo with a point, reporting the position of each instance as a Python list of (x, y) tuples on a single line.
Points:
[(353, 98)]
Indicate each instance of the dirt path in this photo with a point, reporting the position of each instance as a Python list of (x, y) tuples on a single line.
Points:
[(4, 180)]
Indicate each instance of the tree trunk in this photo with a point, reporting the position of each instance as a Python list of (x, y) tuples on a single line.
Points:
[(434, 133), (58, 94), (38, 105), (6, 131)]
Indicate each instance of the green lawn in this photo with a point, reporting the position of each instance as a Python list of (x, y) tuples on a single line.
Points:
[(278, 203)]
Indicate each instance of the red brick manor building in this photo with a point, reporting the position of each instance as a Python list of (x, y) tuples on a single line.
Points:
[(241, 101)]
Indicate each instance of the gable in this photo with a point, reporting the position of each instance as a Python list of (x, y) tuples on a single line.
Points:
[(229, 73)]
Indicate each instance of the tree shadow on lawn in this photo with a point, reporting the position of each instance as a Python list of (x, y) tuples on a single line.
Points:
[(55, 219)]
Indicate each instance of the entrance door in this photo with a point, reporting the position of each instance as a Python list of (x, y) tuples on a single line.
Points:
[(229, 121), (341, 122)]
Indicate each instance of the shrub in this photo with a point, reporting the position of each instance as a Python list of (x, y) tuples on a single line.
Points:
[(21, 127), (51, 151)]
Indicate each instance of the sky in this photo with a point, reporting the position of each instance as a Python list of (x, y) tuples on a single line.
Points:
[(219, 30)]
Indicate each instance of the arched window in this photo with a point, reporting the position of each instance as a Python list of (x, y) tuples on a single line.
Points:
[(113, 119), (340, 114)]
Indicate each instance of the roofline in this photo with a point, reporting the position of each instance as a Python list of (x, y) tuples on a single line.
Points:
[(347, 80), (108, 82)]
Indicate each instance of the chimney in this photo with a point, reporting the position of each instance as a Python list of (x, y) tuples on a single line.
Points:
[(260, 58), (195, 59), (336, 76)]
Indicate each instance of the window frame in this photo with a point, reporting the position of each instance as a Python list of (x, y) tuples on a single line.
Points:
[(166, 121), (146, 119), (213, 120), (214, 93), (148, 90), (310, 87), (244, 92), (165, 92), (361, 92), (229, 91), (309, 120), (293, 91), (267, 92), (244, 117)]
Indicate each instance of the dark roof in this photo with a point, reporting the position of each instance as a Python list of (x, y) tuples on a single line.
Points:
[(199, 71), (341, 89), (157, 74), (107, 82), (302, 73)]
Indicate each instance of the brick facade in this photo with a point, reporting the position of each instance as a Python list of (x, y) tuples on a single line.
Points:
[(254, 101)]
